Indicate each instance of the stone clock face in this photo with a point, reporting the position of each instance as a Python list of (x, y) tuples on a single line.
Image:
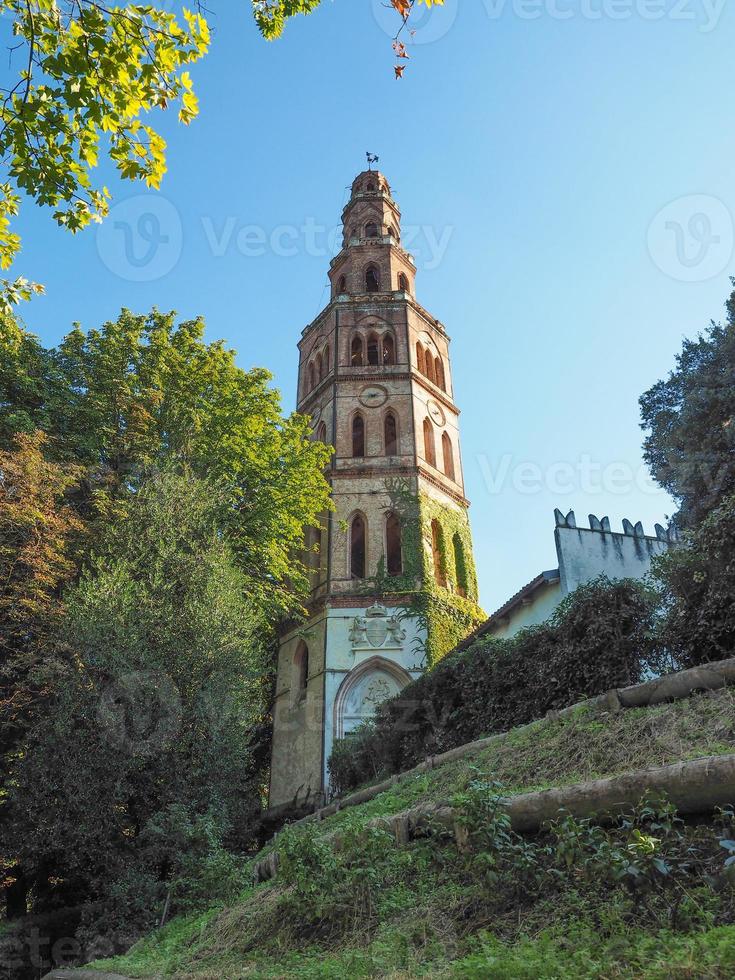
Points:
[(373, 396), (435, 411)]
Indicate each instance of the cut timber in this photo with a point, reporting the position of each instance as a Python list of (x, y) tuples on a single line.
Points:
[(692, 787)]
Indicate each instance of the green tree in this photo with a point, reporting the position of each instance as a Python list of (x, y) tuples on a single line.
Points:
[(148, 744), (690, 419), (141, 391), (698, 590)]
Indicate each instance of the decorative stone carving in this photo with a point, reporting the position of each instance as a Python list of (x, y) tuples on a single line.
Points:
[(375, 628)]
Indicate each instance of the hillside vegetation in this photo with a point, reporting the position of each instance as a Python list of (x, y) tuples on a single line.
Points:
[(648, 896)]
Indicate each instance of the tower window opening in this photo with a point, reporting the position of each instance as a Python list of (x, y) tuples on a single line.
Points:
[(390, 432), (371, 188), (358, 436), (342, 286), (372, 280), (389, 349), (301, 672), (372, 350), (357, 547), (448, 456), (371, 230), (393, 556), (460, 565), (429, 366), (356, 352), (420, 362), (319, 367), (321, 432), (312, 376), (437, 552), (429, 449), (325, 361), (403, 282), (439, 373)]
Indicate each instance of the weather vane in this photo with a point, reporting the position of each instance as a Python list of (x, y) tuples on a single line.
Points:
[(371, 158)]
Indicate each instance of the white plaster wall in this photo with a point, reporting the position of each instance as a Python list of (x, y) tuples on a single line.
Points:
[(586, 554), (342, 659), (538, 610)]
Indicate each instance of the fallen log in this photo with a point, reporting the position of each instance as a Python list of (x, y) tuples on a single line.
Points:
[(693, 787)]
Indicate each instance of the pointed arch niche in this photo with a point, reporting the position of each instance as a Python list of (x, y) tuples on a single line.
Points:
[(368, 685)]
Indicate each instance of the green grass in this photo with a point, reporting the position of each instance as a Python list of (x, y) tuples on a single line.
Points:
[(424, 910)]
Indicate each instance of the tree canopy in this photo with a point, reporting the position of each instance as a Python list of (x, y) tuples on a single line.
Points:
[(690, 418)]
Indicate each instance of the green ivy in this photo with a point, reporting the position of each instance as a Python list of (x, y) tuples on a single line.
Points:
[(444, 615)]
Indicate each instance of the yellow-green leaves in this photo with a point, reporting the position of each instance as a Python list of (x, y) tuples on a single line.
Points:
[(88, 74)]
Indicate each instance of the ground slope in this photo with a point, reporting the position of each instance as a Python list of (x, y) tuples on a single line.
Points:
[(646, 898)]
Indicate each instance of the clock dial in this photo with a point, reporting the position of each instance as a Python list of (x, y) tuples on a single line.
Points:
[(435, 411), (373, 396)]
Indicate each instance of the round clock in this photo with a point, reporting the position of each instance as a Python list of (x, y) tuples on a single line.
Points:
[(436, 412), (373, 396)]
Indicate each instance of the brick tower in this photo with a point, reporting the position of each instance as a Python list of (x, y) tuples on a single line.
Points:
[(393, 582)]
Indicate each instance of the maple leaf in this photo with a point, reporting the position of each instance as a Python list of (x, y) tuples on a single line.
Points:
[(399, 70), (400, 49)]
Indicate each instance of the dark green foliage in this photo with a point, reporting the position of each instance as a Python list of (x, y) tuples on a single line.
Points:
[(698, 584), (143, 767), (690, 418), (601, 637)]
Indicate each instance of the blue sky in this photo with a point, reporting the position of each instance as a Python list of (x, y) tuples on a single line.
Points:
[(570, 183)]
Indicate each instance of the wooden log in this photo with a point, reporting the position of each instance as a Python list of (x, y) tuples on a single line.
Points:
[(697, 786), (674, 687)]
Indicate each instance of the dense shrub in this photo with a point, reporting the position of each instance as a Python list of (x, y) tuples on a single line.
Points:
[(698, 585), (600, 637)]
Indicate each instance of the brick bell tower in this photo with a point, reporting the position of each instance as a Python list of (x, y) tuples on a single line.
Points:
[(375, 377)]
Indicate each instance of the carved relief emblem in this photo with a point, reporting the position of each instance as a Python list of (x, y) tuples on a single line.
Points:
[(375, 628)]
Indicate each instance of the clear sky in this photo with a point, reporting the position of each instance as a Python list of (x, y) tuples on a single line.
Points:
[(568, 169)]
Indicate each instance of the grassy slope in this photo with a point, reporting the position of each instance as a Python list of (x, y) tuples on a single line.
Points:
[(420, 911)]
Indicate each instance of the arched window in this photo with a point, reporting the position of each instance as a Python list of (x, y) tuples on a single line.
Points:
[(460, 566), (390, 433), (389, 349), (429, 365), (371, 187), (357, 547), (372, 279), (439, 373), (325, 361), (394, 234), (318, 367), (420, 362), (321, 432), (356, 353), (300, 672), (372, 349), (448, 456), (342, 286), (437, 551), (358, 435), (371, 230), (402, 282), (312, 376), (393, 557), (429, 449)]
